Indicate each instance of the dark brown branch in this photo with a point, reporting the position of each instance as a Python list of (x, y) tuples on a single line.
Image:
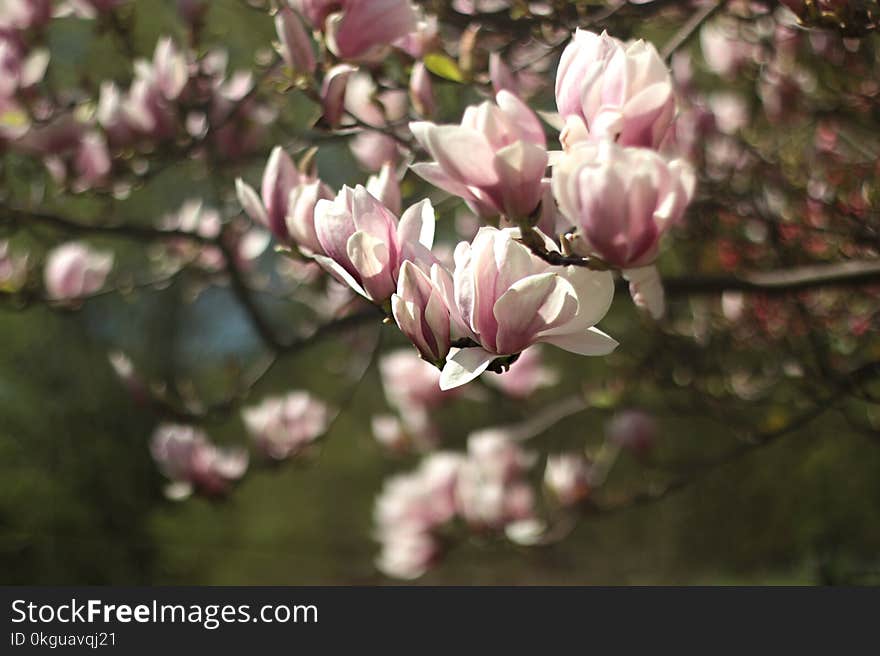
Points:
[(690, 28), (786, 281), (21, 218)]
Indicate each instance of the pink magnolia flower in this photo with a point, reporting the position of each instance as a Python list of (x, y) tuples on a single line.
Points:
[(491, 488), (296, 46), (425, 311), (407, 554), (287, 201), (316, 11), (495, 159), (24, 14), (411, 388), (92, 161), (409, 512), (148, 106), (421, 40), (364, 243), (410, 383), (526, 375), (567, 476), (283, 426), (608, 89), (622, 201), (510, 298), (74, 270), (422, 500), (186, 456), (364, 29)]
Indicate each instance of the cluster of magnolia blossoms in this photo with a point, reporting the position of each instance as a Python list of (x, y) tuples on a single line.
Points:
[(610, 191), (486, 488)]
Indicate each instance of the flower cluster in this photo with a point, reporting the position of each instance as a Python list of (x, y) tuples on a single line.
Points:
[(485, 488)]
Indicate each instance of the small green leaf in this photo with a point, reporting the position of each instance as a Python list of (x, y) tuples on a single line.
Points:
[(443, 66)]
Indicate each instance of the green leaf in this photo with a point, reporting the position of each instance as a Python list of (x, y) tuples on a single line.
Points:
[(443, 66)]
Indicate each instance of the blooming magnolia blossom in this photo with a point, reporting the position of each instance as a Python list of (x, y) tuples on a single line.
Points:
[(495, 160), (622, 201), (286, 204), (364, 243), (74, 270), (509, 299), (567, 477), (283, 426), (608, 89), (186, 456), (364, 29)]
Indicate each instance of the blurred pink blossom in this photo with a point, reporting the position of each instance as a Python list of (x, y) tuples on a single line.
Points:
[(567, 477), (192, 463), (526, 375), (491, 489), (296, 46), (284, 426), (75, 270), (409, 512), (362, 30)]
